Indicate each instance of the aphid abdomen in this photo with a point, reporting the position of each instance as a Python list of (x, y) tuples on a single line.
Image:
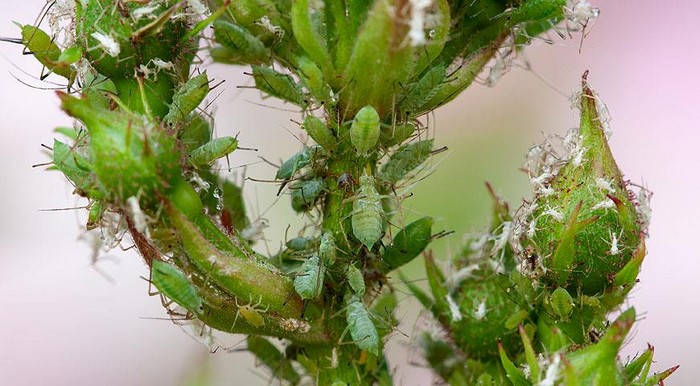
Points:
[(309, 282), (212, 150), (367, 215), (278, 85), (244, 45), (362, 329), (305, 194), (187, 98), (172, 283), (364, 131)]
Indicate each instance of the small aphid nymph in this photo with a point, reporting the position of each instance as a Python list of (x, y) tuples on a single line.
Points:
[(364, 131)]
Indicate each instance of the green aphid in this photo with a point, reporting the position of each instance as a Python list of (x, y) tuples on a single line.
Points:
[(244, 46), (356, 280), (404, 160), (305, 194), (362, 330), (42, 46), (397, 134), (94, 215), (423, 90), (408, 243), (279, 85), (535, 11), (187, 98), (195, 133), (297, 162), (327, 249), (301, 244), (367, 214), (562, 303), (173, 284), (320, 133), (212, 150), (309, 281), (364, 131), (74, 165), (312, 78)]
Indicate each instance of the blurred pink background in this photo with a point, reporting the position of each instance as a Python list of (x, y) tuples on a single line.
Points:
[(65, 324)]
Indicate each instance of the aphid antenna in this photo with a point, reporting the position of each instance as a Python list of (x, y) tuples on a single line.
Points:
[(42, 164), (266, 105), (243, 166), (63, 209), (12, 40), (41, 79), (527, 66)]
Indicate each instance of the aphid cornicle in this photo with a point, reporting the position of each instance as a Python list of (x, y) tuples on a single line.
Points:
[(364, 131), (362, 329), (309, 281), (367, 213), (172, 283)]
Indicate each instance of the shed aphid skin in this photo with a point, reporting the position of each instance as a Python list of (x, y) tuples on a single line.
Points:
[(416, 34), (137, 216), (614, 240), (480, 311), (107, 44), (454, 308), (173, 284), (254, 232), (367, 214), (578, 14), (273, 29), (364, 130)]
